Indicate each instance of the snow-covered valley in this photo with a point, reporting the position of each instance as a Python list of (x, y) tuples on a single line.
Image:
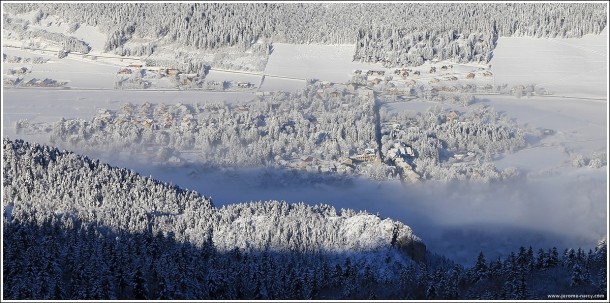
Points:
[(448, 217), (314, 114)]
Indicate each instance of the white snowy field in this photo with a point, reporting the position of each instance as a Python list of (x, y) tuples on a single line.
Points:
[(580, 127), (74, 69), (569, 67), (271, 84), (216, 75), (312, 61)]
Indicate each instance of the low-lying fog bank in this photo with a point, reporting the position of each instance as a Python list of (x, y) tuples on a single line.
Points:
[(567, 209)]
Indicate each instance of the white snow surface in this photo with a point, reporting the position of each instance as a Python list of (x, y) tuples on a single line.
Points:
[(271, 84), (216, 75), (313, 61), (569, 67)]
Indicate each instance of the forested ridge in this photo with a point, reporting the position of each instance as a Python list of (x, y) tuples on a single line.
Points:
[(85, 201), (393, 33), (74, 228)]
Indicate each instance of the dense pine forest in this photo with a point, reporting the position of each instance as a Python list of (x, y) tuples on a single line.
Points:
[(75, 228)]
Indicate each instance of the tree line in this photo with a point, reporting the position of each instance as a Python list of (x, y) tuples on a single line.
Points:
[(395, 34)]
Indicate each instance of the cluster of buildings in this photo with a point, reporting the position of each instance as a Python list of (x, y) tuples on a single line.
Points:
[(315, 165), (132, 68), (183, 80), (401, 154), (44, 83)]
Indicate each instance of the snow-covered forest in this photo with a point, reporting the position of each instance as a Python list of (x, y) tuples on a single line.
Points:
[(75, 228), (395, 34)]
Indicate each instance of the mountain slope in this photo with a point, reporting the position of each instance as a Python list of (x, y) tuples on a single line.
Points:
[(85, 211)]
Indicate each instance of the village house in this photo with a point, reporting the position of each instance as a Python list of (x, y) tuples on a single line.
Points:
[(104, 112), (401, 72), (328, 167), (365, 92), (452, 115), (148, 123), (447, 89), (375, 73), (145, 108), (187, 79), (21, 71), (245, 85), (214, 85), (470, 76), (307, 159), (172, 72), (336, 93), (167, 121), (365, 157), (352, 87), (186, 122), (123, 120), (326, 84), (395, 125), (400, 150), (32, 82), (487, 74), (459, 156), (346, 161), (243, 108), (321, 94)]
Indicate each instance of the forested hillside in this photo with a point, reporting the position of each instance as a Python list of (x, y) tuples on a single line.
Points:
[(395, 34), (74, 228), (87, 210)]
